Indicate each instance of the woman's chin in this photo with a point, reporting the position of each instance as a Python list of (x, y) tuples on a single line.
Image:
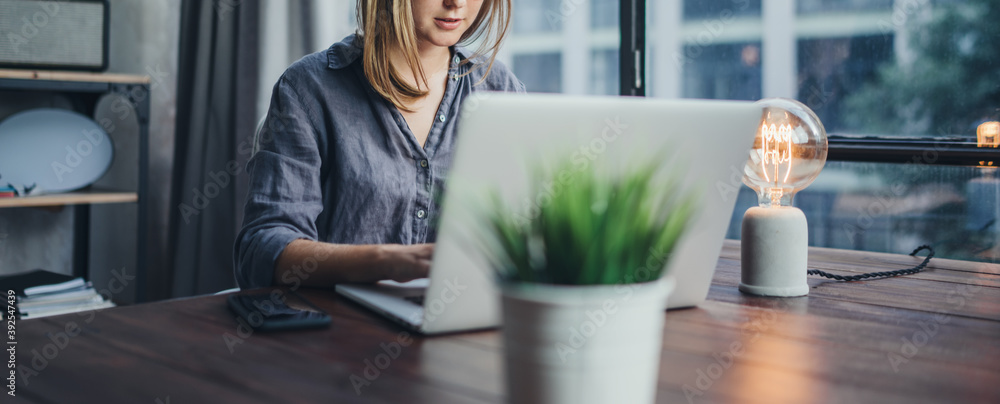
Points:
[(443, 40)]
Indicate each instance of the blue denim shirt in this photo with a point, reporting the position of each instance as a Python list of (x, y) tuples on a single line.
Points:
[(336, 162)]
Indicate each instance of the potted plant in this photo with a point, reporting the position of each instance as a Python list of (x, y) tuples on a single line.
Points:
[(581, 274)]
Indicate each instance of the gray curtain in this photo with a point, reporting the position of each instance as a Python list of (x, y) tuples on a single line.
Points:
[(216, 117)]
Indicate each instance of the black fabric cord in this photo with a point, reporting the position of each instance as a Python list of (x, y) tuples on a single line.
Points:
[(888, 274)]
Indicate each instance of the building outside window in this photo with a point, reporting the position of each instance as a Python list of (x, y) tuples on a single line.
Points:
[(871, 69), (565, 46), (540, 72), (694, 10)]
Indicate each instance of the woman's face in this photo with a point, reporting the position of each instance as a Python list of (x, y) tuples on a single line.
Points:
[(442, 22)]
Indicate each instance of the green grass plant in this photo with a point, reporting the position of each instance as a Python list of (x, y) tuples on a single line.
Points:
[(592, 228)]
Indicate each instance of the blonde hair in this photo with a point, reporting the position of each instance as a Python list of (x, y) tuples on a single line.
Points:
[(386, 23)]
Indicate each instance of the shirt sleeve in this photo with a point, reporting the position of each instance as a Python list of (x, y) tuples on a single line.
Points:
[(284, 197)]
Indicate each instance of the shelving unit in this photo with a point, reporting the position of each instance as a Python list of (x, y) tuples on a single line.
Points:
[(71, 198), (115, 201)]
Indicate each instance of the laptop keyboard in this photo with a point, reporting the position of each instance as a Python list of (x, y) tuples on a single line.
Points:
[(418, 300)]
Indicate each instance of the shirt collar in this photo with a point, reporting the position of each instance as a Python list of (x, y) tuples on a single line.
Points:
[(345, 52)]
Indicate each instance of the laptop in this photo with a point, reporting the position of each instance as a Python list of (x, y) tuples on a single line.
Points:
[(503, 137)]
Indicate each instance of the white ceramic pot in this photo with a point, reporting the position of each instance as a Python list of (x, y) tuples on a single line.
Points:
[(583, 344)]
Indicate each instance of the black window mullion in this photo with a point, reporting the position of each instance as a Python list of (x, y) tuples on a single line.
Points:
[(932, 151), (632, 52)]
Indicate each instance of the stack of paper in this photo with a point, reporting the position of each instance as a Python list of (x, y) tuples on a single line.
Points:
[(42, 294)]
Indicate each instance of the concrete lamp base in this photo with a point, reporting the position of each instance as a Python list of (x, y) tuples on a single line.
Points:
[(774, 252)]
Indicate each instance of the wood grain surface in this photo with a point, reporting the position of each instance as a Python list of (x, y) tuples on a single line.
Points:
[(932, 337)]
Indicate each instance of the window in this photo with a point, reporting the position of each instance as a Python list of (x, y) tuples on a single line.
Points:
[(824, 6), (538, 16), (604, 14), (604, 76), (897, 207), (558, 46), (701, 9), (724, 71), (831, 70), (540, 72), (902, 87)]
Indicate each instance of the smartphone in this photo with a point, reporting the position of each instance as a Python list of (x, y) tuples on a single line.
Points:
[(277, 311)]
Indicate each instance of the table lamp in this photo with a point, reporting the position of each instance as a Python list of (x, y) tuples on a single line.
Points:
[(787, 155)]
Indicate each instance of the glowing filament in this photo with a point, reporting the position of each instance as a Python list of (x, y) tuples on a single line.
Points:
[(777, 142)]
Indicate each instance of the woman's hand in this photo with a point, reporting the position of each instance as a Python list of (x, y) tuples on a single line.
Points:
[(404, 263)]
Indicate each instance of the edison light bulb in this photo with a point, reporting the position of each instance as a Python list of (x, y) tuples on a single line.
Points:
[(787, 155)]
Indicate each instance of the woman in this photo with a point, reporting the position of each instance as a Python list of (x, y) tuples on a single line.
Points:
[(357, 141)]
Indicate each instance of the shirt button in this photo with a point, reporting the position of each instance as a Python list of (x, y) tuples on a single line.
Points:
[(458, 60), (442, 118), (421, 213), (423, 163)]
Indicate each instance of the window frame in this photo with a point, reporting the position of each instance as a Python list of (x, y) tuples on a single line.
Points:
[(956, 151), (632, 50)]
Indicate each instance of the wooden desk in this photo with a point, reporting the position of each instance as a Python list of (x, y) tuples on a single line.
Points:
[(930, 337)]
